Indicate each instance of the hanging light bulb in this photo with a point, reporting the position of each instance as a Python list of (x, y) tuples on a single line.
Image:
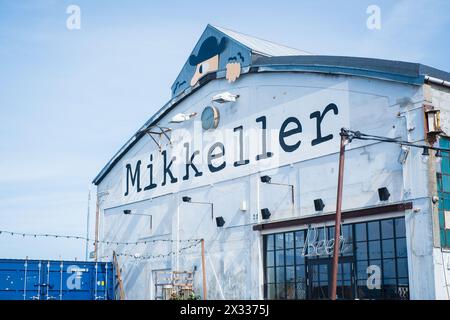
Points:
[(425, 155), (438, 156)]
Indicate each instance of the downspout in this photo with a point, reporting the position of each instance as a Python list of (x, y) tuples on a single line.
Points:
[(437, 81)]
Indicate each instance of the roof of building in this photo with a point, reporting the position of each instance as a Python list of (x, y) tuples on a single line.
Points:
[(266, 56), (261, 46)]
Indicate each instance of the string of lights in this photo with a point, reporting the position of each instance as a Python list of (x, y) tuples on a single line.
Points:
[(150, 257), (350, 135), (107, 242)]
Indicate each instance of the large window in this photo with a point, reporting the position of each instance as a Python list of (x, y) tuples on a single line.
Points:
[(373, 262)]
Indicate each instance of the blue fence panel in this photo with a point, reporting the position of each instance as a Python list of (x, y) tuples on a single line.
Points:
[(56, 280)]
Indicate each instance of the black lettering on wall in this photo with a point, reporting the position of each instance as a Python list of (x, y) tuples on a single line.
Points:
[(212, 156), (319, 116), (189, 163), (151, 185), (241, 161), (284, 134), (135, 178), (264, 154), (167, 169)]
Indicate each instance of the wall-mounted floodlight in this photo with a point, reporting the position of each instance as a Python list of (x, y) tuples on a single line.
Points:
[(189, 200), (383, 194), (181, 117), (225, 97), (267, 179), (265, 213), (319, 204), (220, 222), (129, 212)]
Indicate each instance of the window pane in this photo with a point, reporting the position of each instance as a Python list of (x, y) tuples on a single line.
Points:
[(374, 230), (271, 291), (361, 250), (374, 250), (300, 259), (401, 247), (360, 232), (402, 267), (270, 274), (289, 240), (300, 273), (269, 242), (290, 290), (375, 263), (269, 258), (388, 248), (299, 239), (347, 233), (290, 274), (400, 230), (389, 268), (361, 270), (279, 241), (280, 274), (290, 257), (279, 257), (387, 229), (281, 291)]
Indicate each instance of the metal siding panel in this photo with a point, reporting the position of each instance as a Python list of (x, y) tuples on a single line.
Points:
[(44, 278)]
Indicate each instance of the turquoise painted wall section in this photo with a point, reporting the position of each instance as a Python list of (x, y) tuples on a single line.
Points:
[(443, 186)]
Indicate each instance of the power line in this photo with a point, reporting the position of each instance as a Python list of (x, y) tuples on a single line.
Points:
[(350, 135)]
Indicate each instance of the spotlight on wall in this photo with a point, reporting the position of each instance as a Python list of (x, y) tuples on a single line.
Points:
[(265, 213), (383, 194), (182, 117), (318, 204), (126, 211), (189, 200), (220, 221), (225, 97), (266, 179)]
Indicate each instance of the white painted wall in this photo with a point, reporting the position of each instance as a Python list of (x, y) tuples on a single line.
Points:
[(234, 261)]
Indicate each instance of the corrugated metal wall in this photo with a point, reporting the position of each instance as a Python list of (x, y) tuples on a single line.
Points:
[(56, 280)]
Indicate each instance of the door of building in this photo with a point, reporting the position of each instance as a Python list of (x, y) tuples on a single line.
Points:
[(319, 278)]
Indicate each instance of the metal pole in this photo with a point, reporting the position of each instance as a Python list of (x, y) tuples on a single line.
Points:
[(337, 225), (203, 269), (97, 213), (87, 224)]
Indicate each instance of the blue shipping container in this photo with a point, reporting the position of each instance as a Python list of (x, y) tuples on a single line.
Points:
[(56, 280)]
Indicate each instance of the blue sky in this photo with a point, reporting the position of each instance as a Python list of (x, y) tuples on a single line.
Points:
[(69, 99)]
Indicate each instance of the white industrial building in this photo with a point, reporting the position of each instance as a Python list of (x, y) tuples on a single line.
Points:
[(243, 108)]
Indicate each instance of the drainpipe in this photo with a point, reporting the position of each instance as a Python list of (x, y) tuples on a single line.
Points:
[(437, 81)]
